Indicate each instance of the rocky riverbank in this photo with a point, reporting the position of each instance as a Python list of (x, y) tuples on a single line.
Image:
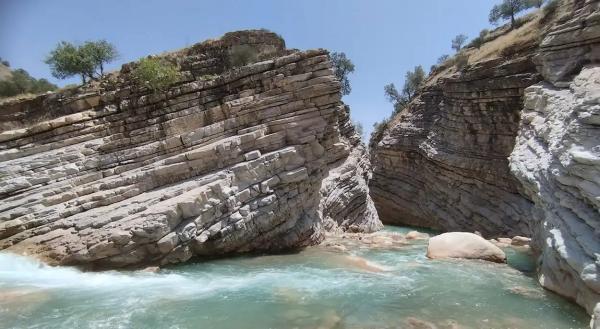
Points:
[(508, 145), (259, 157)]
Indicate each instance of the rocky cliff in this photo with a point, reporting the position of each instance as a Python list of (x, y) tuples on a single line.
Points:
[(509, 145), (257, 157)]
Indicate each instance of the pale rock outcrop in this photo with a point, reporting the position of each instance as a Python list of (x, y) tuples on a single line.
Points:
[(230, 159), (444, 162), (464, 245), (345, 201), (557, 159)]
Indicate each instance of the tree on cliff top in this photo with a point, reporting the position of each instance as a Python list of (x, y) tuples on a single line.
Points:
[(509, 8), (458, 42), (342, 66), (67, 60), (99, 53), (412, 82)]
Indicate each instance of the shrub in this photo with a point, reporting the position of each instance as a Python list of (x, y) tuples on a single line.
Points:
[(5, 63), (156, 73), (377, 133), (480, 40), (241, 55)]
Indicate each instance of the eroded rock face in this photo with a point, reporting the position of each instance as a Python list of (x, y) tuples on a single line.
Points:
[(232, 159), (509, 147), (557, 159), (345, 201), (443, 161)]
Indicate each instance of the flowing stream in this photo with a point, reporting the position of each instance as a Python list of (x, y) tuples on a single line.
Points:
[(315, 288)]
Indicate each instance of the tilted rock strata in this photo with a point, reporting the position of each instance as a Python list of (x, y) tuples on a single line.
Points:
[(557, 159), (443, 161), (345, 201), (233, 162)]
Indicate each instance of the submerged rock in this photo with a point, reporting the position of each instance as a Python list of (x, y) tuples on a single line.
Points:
[(464, 245)]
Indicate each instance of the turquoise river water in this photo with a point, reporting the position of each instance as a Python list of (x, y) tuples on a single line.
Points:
[(315, 288)]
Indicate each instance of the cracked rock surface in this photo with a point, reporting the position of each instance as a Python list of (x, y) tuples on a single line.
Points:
[(259, 157), (509, 146)]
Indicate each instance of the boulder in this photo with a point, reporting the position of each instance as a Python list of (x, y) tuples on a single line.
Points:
[(464, 245)]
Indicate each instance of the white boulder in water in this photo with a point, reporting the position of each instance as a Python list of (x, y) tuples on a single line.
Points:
[(464, 245)]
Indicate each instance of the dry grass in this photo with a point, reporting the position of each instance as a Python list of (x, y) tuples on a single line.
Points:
[(526, 34), (501, 42)]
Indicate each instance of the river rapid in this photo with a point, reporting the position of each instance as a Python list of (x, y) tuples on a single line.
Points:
[(341, 286)]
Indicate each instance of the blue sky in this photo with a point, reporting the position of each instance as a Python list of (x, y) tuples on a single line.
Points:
[(384, 38)]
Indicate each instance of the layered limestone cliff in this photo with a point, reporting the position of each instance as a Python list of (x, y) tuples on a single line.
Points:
[(508, 146), (259, 157)]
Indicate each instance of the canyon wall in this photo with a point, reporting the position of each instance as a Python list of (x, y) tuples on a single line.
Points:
[(233, 158), (509, 145)]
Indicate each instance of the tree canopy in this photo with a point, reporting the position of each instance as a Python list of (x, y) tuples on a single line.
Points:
[(458, 42), (86, 60), (20, 82), (342, 66), (508, 9), (412, 82)]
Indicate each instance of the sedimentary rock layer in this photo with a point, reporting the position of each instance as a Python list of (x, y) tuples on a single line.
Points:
[(557, 159), (444, 161), (231, 159)]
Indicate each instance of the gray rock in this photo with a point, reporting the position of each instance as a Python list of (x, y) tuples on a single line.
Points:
[(117, 176)]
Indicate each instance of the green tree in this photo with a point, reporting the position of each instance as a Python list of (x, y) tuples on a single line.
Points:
[(458, 42), (342, 66), (156, 73), (508, 9), (68, 60), (20, 82), (412, 82), (99, 53)]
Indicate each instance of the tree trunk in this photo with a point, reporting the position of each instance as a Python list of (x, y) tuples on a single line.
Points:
[(83, 78), (512, 20), (101, 70)]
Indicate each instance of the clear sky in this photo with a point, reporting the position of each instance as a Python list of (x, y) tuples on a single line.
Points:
[(384, 38)]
